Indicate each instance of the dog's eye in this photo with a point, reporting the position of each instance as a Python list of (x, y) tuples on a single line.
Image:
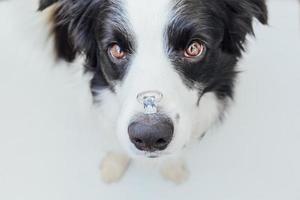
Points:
[(195, 49), (117, 52)]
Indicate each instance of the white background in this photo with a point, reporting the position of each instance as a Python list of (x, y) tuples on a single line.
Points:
[(50, 146)]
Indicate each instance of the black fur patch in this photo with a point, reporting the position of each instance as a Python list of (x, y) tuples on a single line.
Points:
[(89, 27), (222, 25), (46, 3)]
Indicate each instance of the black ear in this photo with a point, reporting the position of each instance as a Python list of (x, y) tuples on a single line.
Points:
[(46, 3), (60, 25), (63, 40), (240, 22), (73, 27)]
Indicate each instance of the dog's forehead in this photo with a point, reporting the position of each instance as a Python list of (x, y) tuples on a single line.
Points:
[(148, 16), (154, 8)]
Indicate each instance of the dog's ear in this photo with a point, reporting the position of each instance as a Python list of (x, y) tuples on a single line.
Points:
[(63, 40), (73, 27), (45, 4), (60, 30), (240, 22), (64, 47)]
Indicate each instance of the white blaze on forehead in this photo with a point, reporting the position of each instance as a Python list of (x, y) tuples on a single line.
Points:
[(150, 65), (148, 19)]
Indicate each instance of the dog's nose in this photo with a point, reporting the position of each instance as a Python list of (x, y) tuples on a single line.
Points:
[(151, 132)]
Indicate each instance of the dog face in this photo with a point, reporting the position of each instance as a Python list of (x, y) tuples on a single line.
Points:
[(163, 69)]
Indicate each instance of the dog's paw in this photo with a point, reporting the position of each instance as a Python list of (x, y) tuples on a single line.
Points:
[(175, 171), (113, 167)]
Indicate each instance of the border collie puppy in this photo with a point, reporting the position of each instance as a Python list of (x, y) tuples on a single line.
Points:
[(163, 70)]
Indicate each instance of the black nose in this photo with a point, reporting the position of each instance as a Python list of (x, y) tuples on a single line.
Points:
[(151, 132)]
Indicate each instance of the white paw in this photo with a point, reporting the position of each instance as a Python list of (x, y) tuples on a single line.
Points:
[(175, 171), (113, 167)]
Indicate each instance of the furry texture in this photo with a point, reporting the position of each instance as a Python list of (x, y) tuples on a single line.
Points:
[(154, 34)]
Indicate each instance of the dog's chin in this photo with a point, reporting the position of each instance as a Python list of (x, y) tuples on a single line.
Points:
[(138, 154), (148, 155), (153, 156)]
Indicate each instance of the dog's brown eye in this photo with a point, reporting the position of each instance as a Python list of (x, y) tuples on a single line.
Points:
[(195, 49), (116, 52)]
